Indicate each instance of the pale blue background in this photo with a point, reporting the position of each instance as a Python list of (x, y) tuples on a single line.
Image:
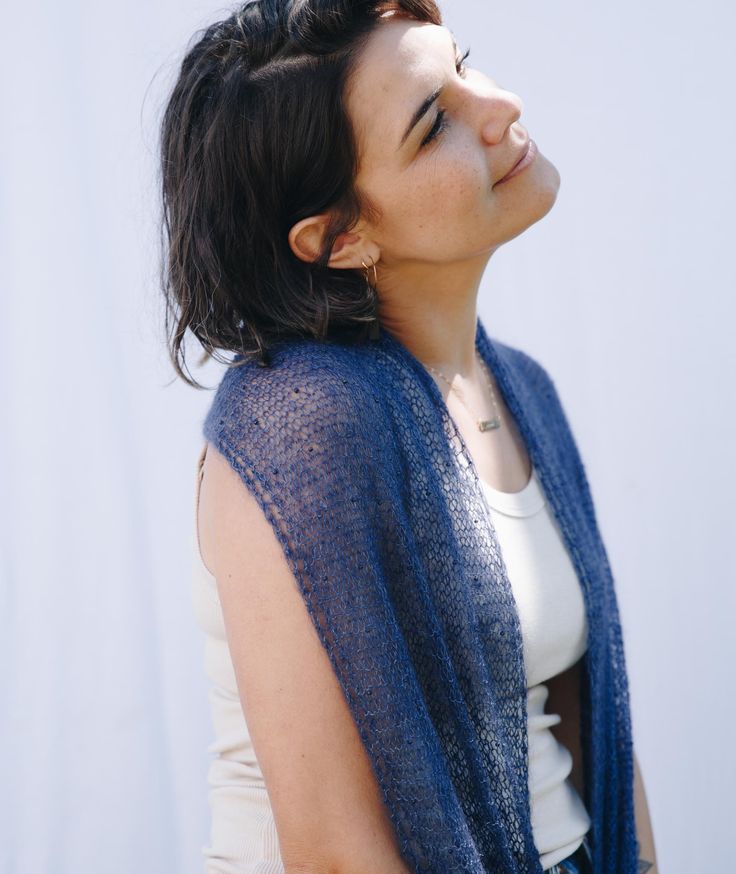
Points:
[(625, 292)]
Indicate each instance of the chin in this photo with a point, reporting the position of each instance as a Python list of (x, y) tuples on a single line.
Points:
[(540, 194), (548, 180), (534, 203), (547, 190)]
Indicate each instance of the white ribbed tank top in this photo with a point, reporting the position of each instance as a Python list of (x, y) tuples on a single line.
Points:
[(243, 837)]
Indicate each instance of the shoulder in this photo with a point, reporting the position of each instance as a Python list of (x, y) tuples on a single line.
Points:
[(308, 383), (315, 410)]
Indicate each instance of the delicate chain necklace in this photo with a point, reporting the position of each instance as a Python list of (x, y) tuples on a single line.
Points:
[(483, 424)]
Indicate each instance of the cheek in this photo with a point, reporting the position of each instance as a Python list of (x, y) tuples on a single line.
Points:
[(446, 190), (458, 180), (439, 219)]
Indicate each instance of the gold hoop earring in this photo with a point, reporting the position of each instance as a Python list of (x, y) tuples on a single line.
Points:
[(375, 329)]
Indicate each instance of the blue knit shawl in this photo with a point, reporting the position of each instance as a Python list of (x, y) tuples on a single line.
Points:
[(358, 465)]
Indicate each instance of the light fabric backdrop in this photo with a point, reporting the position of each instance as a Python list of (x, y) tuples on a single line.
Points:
[(625, 292)]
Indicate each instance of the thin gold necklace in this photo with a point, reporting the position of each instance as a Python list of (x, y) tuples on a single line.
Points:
[(483, 424)]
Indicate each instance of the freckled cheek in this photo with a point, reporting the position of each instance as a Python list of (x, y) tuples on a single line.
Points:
[(460, 186), (459, 197), (462, 182), (447, 189)]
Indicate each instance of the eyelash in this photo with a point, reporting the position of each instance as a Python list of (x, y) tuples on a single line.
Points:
[(439, 123)]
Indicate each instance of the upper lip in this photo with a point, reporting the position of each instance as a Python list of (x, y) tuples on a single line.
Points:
[(520, 155)]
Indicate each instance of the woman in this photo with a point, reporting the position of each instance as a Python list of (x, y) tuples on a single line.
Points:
[(335, 179)]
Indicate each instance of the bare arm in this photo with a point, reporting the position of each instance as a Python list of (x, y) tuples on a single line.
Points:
[(647, 853), (326, 802)]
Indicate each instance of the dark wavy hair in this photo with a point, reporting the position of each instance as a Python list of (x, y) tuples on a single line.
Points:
[(255, 136)]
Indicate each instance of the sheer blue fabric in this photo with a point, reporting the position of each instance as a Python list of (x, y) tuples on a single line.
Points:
[(361, 470)]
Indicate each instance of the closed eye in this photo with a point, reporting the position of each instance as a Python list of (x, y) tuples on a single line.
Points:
[(440, 122)]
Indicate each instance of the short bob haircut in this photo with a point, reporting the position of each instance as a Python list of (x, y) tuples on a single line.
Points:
[(255, 136)]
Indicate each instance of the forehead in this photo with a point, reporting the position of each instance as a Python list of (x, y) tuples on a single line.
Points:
[(399, 66)]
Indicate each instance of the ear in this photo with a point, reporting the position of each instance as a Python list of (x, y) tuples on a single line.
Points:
[(349, 250)]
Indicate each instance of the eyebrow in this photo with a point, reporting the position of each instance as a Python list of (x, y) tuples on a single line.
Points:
[(426, 104)]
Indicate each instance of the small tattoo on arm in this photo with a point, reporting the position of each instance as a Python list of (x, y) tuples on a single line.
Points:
[(644, 866)]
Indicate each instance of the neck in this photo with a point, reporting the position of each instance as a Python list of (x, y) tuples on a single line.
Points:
[(437, 324)]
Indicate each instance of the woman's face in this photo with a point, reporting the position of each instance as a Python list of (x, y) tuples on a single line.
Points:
[(437, 182)]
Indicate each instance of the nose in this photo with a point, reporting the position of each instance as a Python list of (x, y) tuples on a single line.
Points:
[(500, 109)]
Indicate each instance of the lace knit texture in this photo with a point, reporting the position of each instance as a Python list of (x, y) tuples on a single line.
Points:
[(358, 465)]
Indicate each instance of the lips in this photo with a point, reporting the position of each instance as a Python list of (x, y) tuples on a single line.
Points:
[(522, 154)]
